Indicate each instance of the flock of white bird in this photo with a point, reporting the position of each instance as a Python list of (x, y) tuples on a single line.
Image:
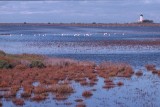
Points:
[(77, 34)]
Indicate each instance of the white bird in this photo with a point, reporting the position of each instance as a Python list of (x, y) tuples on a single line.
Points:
[(87, 34), (105, 33)]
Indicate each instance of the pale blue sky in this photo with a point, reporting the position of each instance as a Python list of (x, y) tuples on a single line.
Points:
[(100, 11)]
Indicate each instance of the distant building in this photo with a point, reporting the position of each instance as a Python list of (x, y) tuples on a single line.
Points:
[(142, 20)]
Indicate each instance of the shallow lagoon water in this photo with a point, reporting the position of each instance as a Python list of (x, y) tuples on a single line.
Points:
[(86, 43)]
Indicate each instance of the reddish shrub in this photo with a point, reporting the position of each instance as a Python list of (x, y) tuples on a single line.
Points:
[(83, 83), (79, 79), (26, 95), (150, 67), (81, 105), (95, 79), (107, 81), (87, 94), (19, 102), (38, 98), (115, 69), (120, 83), (139, 73), (28, 89), (20, 67), (63, 89), (109, 84), (13, 93), (39, 89), (92, 83), (155, 71), (60, 97), (4, 84), (15, 88)]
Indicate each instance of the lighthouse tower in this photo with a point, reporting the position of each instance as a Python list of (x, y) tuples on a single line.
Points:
[(141, 18)]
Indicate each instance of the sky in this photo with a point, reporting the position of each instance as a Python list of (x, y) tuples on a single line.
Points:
[(78, 11)]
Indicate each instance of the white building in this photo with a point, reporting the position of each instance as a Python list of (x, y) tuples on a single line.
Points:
[(141, 19)]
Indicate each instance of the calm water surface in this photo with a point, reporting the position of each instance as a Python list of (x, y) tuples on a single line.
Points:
[(82, 42)]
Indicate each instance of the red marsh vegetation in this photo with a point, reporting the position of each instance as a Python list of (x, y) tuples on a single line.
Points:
[(152, 68), (105, 43), (81, 104), (53, 75), (120, 83), (108, 69), (38, 98), (87, 94), (18, 102), (139, 73)]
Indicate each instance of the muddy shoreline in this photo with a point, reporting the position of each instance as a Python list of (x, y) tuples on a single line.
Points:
[(82, 24)]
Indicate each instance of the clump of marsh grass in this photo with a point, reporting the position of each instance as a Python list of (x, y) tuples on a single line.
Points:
[(26, 95), (4, 84), (139, 73), (108, 69), (18, 102), (150, 67), (87, 94), (120, 83), (63, 89), (60, 97), (39, 98), (81, 105)]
